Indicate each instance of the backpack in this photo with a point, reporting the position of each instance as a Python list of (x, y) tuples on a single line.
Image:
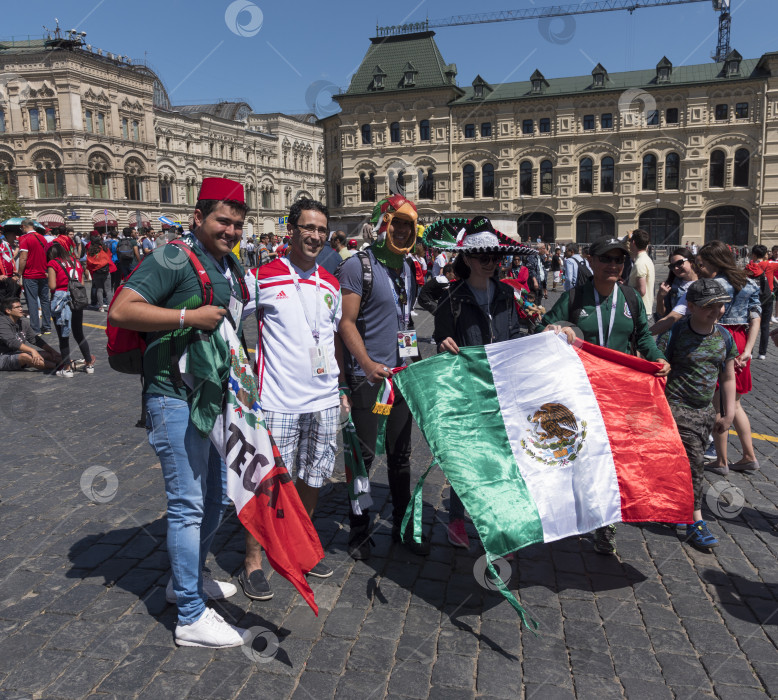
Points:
[(575, 304), (79, 299), (367, 286), (126, 347), (124, 249), (766, 295), (584, 273)]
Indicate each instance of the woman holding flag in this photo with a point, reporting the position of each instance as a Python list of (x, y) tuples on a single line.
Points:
[(476, 310)]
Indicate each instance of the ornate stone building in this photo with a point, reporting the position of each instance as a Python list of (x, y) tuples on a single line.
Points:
[(688, 152), (87, 136)]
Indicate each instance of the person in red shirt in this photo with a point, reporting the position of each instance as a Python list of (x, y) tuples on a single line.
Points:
[(9, 279), (762, 271), (60, 270), (63, 238), (32, 270)]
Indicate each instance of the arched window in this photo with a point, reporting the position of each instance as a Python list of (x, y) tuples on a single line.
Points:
[(249, 196), (592, 225), (546, 177), (49, 176), (397, 183), (728, 225), (7, 179), (191, 191), (468, 181), (424, 130), (525, 178), (427, 184), (166, 181), (663, 225), (740, 170), (133, 180), (585, 176), (99, 168), (672, 171), (649, 172), (606, 174), (716, 176), (267, 196), (394, 132), (367, 187), (366, 136), (487, 184)]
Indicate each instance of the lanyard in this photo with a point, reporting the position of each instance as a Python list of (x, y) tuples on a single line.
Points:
[(222, 266), (296, 279), (599, 315), (403, 314)]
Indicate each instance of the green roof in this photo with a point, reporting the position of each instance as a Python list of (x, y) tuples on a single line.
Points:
[(645, 79), (392, 54)]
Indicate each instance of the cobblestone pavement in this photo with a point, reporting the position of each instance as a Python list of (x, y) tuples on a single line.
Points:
[(84, 564)]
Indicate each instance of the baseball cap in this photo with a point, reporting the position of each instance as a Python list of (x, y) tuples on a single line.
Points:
[(605, 244), (705, 292)]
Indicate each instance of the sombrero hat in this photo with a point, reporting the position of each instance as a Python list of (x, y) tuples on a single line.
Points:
[(476, 235)]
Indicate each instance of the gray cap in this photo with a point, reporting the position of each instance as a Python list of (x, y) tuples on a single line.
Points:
[(705, 292)]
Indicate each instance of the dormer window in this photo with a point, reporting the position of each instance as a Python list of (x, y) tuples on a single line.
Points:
[(480, 88), (538, 82), (409, 75), (732, 64), (664, 70), (479, 91), (378, 78), (599, 76)]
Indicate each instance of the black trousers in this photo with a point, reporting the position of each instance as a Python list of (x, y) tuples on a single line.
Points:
[(764, 326), (9, 287), (77, 331), (398, 448)]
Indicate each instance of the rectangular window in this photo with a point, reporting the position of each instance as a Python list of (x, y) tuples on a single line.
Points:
[(100, 123), (125, 128), (51, 119), (267, 201), (671, 115), (652, 117), (606, 120), (528, 126), (469, 131), (486, 129), (135, 131), (722, 113), (2, 121), (89, 123), (35, 122), (588, 122), (544, 125), (741, 110)]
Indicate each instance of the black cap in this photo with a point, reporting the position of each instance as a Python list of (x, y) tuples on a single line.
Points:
[(604, 244), (704, 292)]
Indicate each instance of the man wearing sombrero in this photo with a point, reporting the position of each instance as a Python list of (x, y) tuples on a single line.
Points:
[(379, 290)]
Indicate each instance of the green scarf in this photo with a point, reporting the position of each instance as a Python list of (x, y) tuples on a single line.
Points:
[(387, 257)]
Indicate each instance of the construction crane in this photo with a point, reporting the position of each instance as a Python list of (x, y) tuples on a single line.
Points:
[(585, 8)]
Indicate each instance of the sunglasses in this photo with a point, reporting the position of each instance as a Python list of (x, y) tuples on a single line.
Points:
[(610, 260), (486, 259), (678, 264)]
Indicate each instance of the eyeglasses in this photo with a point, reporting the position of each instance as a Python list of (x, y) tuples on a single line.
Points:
[(402, 294), (312, 228), (486, 259), (610, 260), (677, 264)]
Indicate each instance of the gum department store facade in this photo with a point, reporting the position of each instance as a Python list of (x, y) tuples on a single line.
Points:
[(84, 133), (689, 152)]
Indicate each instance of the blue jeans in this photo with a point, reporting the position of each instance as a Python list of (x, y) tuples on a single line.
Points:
[(196, 490), (35, 289)]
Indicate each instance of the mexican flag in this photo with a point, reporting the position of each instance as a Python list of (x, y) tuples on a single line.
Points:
[(542, 440)]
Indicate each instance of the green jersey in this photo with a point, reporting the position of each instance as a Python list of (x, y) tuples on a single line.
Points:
[(614, 330), (169, 280)]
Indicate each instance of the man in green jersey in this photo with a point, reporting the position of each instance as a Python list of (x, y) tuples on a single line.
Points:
[(610, 315)]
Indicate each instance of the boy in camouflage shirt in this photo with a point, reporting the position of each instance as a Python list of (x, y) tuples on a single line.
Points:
[(700, 352)]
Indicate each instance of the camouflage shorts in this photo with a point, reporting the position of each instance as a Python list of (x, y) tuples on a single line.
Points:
[(694, 427)]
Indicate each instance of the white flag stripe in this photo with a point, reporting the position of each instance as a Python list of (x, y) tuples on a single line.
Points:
[(571, 496)]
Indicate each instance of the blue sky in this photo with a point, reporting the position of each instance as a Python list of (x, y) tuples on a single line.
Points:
[(289, 56)]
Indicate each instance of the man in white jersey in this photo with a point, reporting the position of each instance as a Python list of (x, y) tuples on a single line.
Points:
[(302, 387)]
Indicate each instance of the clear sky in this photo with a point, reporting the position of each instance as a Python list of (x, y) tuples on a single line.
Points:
[(289, 56)]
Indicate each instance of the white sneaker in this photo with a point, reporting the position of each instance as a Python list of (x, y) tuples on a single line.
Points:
[(215, 590), (65, 373), (210, 630), (774, 319), (762, 357), (89, 369)]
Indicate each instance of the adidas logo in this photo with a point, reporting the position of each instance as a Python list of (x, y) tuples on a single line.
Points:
[(281, 295), (583, 314)]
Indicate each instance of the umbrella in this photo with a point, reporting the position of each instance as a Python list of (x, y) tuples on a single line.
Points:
[(16, 222)]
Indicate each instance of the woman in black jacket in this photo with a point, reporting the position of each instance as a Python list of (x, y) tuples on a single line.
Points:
[(478, 309)]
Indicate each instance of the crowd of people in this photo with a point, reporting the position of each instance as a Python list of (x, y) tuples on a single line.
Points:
[(335, 321)]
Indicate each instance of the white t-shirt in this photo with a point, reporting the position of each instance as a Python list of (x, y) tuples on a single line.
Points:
[(286, 381), (439, 263)]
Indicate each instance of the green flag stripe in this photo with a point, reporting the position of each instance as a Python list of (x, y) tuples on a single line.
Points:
[(454, 402)]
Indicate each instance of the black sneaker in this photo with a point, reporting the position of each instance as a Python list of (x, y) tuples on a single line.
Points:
[(255, 585), (359, 549), (321, 570), (605, 540), (421, 548)]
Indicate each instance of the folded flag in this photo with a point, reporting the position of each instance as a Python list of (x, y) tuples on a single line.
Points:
[(258, 482), (356, 474), (542, 440)]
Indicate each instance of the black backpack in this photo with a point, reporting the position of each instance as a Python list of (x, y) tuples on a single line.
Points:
[(766, 295), (575, 304), (584, 273), (124, 249), (367, 285)]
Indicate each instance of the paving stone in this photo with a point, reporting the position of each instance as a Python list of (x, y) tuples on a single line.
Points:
[(623, 635), (80, 678), (730, 692), (455, 671), (134, 671), (589, 662), (547, 691), (498, 676), (382, 622), (270, 685), (371, 653), (640, 689), (682, 670), (607, 688), (313, 684), (76, 599), (37, 670), (303, 624), (329, 655), (729, 669), (709, 636), (410, 679), (635, 663), (17, 647), (417, 647), (189, 660), (358, 685), (547, 675), (343, 622), (170, 686)]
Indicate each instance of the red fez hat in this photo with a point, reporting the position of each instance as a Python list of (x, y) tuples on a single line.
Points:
[(221, 188)]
